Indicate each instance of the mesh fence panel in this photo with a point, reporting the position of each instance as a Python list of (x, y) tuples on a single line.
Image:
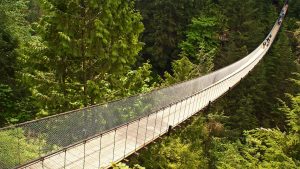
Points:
[(145, 117)]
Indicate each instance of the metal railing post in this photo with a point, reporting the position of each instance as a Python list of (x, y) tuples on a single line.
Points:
[(161, 123), (84, 143), (100, 145), (137, 133), (184, 109), (214, 93), (126, 140), (199, 101), (180, 109), (114, 145), (146, 129), (222, 86), (196, 104), (65, 158), (188, 109), (198, 107), (220, 89), (169, 117), (211, 92), (192, 111), (174, 114), (154, 125), (205, 98)]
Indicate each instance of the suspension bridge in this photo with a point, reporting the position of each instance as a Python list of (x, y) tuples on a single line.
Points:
[(96, 136)]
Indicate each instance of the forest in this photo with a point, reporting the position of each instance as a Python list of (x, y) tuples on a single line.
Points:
[(57, 56)]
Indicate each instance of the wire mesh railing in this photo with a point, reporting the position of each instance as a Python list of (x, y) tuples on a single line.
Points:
[(94, 137)]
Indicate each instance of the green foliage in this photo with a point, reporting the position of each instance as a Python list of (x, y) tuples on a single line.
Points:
[(244, 19), (165, 23), (266, 148), (293, 113), (89, 46), (136, 81), (257, 104), (8, 45), (198, 49), (113, 87), (6, 104), (294, 6), (8, 58), (227, 155), (263, 148), (124, 166), (14, 31), (291, 109), (183, 69), (15, 11), (16, 149), (202, 41)]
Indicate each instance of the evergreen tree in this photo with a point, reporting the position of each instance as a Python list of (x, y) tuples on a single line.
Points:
[(8, 46), (244, 20), (86, 40), (294, 7), (202, 43), (165, 23), (13, 33), (183, 70), (263, 148)]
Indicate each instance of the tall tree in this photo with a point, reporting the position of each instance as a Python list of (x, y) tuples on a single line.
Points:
[(8, 58), (86, 40), (202, 43), (244, 19), (8, 46), (14, 32), (165, 23)]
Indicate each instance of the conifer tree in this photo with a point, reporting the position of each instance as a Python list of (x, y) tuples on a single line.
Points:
[(165, 25), (86, 41)]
